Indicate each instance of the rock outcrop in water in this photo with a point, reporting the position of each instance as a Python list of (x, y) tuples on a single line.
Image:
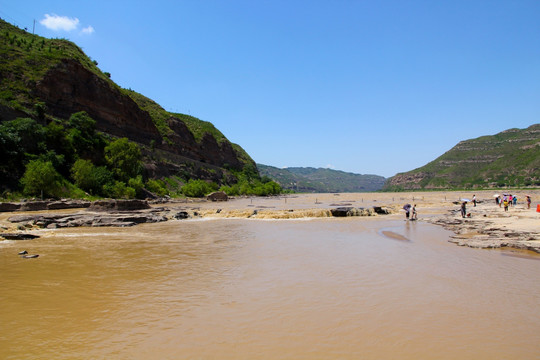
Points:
[(55, 221)]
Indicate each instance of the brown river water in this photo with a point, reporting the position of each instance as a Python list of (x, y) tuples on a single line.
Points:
[(324, 288)]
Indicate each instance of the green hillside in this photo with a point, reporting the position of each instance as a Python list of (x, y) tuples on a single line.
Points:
[(60, 113), (510, 158), (307, 179)]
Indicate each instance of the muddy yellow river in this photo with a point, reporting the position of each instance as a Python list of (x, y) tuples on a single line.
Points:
[(355, 288)]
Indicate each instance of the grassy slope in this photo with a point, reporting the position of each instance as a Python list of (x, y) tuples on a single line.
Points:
[(510, 158), (26, 58)]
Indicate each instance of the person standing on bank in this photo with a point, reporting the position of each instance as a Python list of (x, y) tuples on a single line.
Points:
[(407, 209), (528, 202), (463, 209), (474, 200)]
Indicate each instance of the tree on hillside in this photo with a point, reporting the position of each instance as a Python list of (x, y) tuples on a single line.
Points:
[(124, 158), (82, 135), (89, 177), (18, 139), (41, 179)]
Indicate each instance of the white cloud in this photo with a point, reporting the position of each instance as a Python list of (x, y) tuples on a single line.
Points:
[(55, 22), (88, 30)]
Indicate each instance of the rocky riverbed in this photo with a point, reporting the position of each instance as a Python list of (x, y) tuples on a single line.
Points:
[(487, 227), (124, 213), (491, 227)]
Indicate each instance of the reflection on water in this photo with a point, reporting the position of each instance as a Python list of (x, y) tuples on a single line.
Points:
[(251, 289)]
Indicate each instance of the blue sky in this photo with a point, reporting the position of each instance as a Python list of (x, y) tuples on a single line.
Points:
[(370, 87)]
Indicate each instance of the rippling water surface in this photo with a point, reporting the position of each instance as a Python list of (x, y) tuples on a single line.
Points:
[(352, 288)]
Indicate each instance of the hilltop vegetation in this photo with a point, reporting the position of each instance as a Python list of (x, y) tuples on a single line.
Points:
[(508, 159), (307, 179), (68, 130)]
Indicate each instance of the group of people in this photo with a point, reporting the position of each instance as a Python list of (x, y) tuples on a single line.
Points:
[(510, 200), (506, 201), (408, 210)]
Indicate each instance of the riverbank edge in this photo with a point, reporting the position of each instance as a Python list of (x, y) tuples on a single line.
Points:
[(488, 226)]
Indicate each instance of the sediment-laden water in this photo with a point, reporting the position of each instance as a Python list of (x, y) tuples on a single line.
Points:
[(327, 288)]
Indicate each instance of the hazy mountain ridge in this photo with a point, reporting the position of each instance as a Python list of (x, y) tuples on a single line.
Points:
[(509, 158), (308, 179)]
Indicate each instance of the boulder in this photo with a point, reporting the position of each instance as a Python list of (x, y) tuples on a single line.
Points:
[(181, 215), (342, 211), (218, 196), (379, 210)]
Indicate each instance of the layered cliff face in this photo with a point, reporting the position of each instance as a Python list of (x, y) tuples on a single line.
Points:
[(510, 158), (69, 87), (59, 77)]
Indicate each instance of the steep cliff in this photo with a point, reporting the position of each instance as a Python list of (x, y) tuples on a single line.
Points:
[(49, 79), (510, 158)]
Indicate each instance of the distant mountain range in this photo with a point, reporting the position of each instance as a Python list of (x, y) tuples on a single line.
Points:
[(508, 159), (308, 179)]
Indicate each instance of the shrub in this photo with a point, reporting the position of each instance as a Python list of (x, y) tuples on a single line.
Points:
[(89, 177), (124, 157), (41, 178), (198, 188), (157, 187), (118, 190), (137, 184)]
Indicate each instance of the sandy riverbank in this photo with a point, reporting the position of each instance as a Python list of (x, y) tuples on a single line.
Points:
[(489, 226)]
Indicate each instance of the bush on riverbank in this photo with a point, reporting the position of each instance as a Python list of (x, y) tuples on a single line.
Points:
[(71, 159)]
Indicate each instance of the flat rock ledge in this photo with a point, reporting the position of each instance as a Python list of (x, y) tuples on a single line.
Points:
[(485, 234), (43, 205), (114, 219)]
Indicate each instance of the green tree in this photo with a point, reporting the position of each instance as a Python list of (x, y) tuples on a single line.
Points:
[(157, 187), (20, 140), (198, 188), (137, 184), (83, 173), (82, 135), (41, 178), (118, 189), (124, 158)]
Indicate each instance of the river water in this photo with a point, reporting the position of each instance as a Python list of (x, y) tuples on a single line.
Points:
[(327, 288)]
